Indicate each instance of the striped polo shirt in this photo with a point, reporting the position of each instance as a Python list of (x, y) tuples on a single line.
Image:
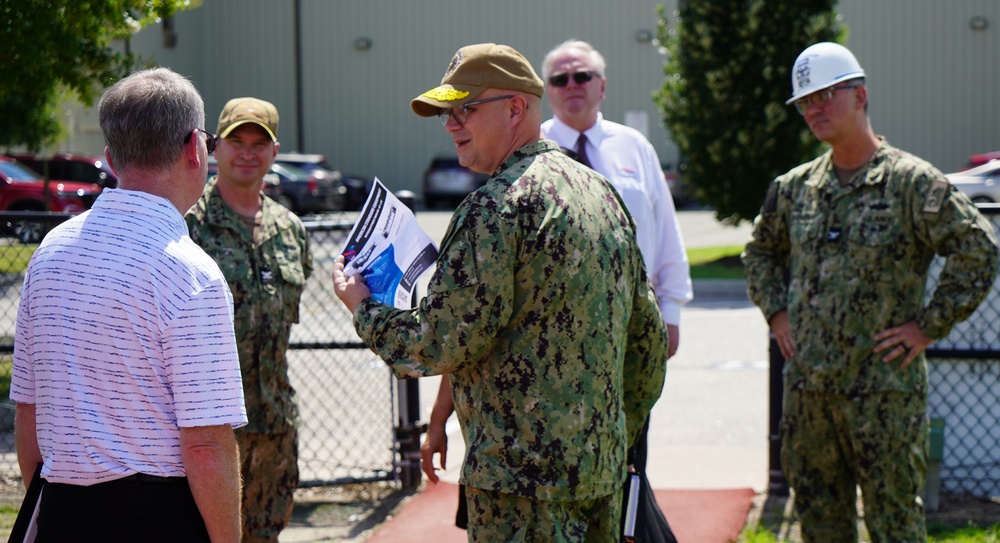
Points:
[(124, 335)]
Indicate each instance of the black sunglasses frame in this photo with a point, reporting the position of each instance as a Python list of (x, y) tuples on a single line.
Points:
[(580, 78), (465, 109), (211, 142)]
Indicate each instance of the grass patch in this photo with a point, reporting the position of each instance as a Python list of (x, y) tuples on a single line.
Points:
[(965, 534), (939, 533), (6, 368), (722, 262), (16, 257)]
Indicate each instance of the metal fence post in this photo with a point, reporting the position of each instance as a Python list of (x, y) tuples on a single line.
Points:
[(777, 485), (409, 429)]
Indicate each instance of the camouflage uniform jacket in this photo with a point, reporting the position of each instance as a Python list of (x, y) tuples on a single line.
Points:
[(266, 277), (858, 258), (541, 311)]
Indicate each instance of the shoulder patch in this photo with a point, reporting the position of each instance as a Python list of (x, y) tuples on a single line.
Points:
[(771, 200), (935, 196)]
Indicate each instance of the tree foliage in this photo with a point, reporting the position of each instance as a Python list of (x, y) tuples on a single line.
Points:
[(728, 74), (53, 49)]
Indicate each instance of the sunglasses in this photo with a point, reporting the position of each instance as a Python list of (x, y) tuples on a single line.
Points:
[(210, 139), (581, 78)]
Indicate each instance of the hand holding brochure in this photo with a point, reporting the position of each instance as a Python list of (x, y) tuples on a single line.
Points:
[(388, 248)]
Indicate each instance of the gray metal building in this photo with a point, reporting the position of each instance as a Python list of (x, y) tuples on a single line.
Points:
[(342, 73)]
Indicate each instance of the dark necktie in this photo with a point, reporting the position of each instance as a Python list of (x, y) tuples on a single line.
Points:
[(581, 150)]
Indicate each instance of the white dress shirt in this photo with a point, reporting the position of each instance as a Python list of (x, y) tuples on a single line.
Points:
[(627, 159)]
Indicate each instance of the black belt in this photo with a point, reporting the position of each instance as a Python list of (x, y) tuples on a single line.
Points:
[(151, 479)]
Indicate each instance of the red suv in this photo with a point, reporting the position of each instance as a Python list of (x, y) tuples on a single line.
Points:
[(70, 167), (22, 189)]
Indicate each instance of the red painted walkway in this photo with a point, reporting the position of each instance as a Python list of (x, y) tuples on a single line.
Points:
[(696, 516)]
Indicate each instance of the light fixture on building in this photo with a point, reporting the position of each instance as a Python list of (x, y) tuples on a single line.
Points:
[(979, 23), (363, 43), (644, 35)]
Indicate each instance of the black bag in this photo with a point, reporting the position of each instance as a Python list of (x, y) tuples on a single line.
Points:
[(26, 524), (650, 524)]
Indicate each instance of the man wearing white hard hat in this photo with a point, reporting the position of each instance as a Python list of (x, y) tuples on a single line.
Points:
[(837, 262)]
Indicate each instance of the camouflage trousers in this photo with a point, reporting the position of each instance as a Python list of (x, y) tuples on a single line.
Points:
[(831, 444), (498, 517), (269, 465)]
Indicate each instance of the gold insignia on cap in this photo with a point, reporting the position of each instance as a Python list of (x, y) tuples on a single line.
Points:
[(455, 61), (445, 95)]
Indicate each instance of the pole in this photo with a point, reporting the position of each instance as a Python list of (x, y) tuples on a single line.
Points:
[(409, 429), (777, 485)]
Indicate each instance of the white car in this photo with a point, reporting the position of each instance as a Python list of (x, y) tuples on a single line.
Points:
[(981, 184)]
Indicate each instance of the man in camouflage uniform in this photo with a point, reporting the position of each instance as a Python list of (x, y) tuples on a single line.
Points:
[(540, 310), (855, 230), (263, 251)]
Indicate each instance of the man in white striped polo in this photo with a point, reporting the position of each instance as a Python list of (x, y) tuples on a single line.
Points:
[(126, 375)]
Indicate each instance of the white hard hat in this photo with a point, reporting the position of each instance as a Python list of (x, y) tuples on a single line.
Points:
[(820, 66)]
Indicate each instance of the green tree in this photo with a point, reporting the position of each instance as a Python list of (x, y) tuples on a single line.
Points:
[(51, 50), (728, 74)]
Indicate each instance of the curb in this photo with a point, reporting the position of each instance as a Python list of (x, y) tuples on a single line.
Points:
[(719, 290)]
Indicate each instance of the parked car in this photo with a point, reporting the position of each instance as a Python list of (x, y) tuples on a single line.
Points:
[(981, 184), (308, 192), (22, 189), (980, 159), (356, 187), (680, 192), (447, 182), (71, 167)]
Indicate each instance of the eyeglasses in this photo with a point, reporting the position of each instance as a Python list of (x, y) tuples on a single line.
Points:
[(819, 98), (561, 80), (210, 139), (461, 113)]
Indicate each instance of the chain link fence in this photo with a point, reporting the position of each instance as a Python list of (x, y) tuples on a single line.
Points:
[(347, 397), (351, 407), (964, 373)]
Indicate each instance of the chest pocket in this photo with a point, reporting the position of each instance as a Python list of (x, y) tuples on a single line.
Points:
[(290, 283), (805, 228), (636, 200), (875, 229)]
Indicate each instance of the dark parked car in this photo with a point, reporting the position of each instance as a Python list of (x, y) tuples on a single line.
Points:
[(356, 187), (22, 189), (308, 192), (679, 189), (448, 182), (71, 167)]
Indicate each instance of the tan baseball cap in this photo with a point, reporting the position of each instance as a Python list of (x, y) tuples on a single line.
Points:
[(248, 110), (473, 69)]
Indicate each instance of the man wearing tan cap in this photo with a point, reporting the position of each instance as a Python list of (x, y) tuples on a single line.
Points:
[(263, 251), (539, 309)]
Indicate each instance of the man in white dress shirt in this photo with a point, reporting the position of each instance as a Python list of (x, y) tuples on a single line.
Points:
[(575, 86)]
